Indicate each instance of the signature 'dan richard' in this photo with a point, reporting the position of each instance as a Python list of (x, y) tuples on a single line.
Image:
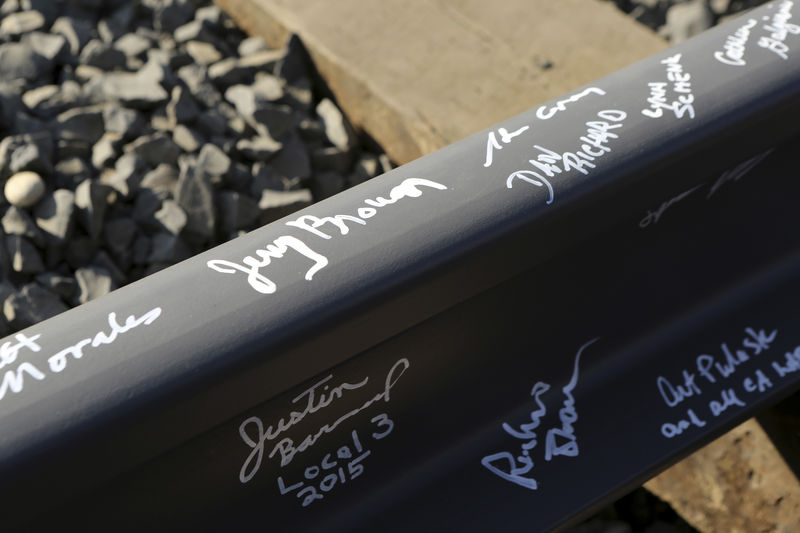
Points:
[(560, 440)]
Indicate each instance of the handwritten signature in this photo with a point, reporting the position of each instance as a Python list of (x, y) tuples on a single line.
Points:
[(735, 45), (652, 217), (286, 447), (545, 114), (738, 172), (681, 86), (14, 380), (548, 163), (251, 265), (542, 113), (558, 440), (505, 137), (779, 28)]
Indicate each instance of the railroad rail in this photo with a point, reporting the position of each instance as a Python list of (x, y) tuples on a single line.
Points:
[(510, 331)]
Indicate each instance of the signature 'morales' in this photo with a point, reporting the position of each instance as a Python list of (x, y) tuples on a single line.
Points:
[(13, 380)]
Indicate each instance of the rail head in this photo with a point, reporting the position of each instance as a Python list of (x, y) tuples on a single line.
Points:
[(92, 395)]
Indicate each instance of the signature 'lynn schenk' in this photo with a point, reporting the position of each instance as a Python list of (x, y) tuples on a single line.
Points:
[(559, 440)]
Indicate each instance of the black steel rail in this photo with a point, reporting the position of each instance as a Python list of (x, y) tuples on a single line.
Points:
[(509, 331)]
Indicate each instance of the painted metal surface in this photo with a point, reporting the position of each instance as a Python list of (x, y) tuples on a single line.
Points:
[(437, 298)]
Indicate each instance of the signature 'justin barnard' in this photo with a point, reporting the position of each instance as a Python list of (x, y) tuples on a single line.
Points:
[(251, 265), (317, 397)]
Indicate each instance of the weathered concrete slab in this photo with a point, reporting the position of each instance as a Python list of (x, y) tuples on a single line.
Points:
[(418, 75), (738, 484)]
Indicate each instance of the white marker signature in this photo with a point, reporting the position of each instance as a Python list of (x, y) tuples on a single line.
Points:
[(780, 28), (14, 380), (558, 440), (681, 86), (9, 352), (286, 447), (275, 250), (548, 163), (544, 114), (505, 136), (736, 45), (252, 265)]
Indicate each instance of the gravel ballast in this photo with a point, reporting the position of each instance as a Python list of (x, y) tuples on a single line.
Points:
[(678, 20), (134, 135)]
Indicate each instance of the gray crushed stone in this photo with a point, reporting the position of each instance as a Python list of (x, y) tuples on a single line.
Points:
[(136, 134), (678, 20)]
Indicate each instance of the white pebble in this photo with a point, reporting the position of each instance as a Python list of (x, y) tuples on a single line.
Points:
[(24, 189)]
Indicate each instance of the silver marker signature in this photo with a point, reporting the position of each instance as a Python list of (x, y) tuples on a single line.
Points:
[(286, 447), (516, 468), (652, 217), (738, 172)]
